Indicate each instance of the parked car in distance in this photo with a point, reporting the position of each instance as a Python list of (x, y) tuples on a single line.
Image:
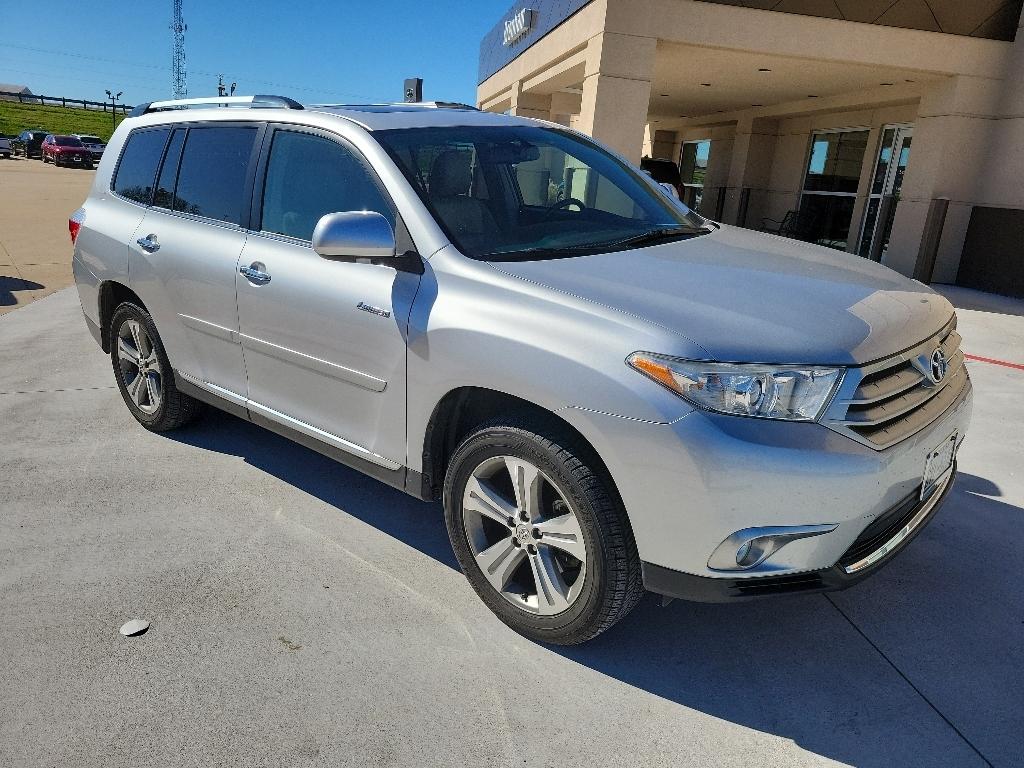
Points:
[(605, 391), (66, 150), (5, 148), (29, 143), (664, 172), (93, 143)]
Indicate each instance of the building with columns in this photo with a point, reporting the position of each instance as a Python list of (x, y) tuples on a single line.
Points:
[(889, 128)]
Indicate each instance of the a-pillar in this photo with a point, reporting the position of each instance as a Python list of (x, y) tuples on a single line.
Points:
[(617, 91)]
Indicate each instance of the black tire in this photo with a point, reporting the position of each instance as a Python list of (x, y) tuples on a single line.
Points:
[(612, 583), (174, 409)]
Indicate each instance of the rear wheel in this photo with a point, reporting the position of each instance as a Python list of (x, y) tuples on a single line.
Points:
[(540, 533), (144, 374)]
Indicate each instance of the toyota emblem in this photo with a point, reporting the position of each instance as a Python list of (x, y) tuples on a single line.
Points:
[(939, 364)]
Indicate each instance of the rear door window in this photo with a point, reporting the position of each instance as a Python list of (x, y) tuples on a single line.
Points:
[(214, 166), (136, 172)]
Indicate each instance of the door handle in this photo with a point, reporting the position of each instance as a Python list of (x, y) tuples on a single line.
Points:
[(254, 274), (148, 243)]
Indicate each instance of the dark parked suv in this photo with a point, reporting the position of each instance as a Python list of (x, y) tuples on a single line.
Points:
[(29, 143)]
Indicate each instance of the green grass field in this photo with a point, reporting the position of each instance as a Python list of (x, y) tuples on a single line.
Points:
[(15, 118)]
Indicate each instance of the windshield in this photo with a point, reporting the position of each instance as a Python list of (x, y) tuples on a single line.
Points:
[(66, 141), (524, 192)]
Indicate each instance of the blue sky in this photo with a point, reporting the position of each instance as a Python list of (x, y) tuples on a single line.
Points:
[(311, 50)]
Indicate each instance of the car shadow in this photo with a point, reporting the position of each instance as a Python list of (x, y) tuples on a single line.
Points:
[(418, 524), (8, 285), (794, 666)]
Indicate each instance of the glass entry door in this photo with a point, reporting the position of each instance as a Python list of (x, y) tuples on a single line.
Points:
[(693, 168), (830, 187), (887, 183)]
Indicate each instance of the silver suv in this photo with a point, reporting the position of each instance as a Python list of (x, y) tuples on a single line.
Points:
[(608, 392)]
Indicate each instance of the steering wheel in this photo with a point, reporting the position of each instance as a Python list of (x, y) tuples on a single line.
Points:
[(565, 204)]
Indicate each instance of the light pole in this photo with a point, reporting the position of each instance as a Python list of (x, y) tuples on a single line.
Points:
[(113, 106)]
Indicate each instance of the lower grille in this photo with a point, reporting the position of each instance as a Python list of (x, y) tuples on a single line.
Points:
[(886, 402), (882, 529), (777, 585)]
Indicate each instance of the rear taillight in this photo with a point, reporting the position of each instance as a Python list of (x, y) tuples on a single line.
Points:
[(75, 224)]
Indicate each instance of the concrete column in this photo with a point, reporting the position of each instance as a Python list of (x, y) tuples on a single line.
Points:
[(750, 166), (617, 90), (565, 107), (948, 158), (535, 105)]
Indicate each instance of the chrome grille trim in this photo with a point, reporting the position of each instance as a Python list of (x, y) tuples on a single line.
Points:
[(889, 400)]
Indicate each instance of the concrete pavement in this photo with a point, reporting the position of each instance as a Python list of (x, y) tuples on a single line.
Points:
[(305, 615), (36, 200)]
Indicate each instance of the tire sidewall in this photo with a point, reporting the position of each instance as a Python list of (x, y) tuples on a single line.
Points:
[(123, 314), (506, 441)]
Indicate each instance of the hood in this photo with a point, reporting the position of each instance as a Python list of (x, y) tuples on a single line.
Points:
[(750, 297)]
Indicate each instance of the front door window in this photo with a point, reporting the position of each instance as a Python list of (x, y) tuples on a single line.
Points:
[(830, 187), (887, 182)]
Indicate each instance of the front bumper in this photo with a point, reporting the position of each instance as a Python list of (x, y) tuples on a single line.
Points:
[(867, 555), (689, 485)]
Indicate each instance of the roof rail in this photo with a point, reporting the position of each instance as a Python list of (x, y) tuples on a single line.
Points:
[(431, 104), (252, 102)]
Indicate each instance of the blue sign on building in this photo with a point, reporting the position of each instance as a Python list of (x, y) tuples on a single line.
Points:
[(523, 24)]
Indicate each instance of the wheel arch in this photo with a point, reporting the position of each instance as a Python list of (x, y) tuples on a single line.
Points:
[(111, 295), (462, 409)]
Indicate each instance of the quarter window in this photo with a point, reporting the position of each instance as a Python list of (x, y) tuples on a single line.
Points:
[(164, 195), (309, 176), (211, 180), (137, 170)]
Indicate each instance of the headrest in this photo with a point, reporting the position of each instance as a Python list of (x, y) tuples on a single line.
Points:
[(451, 174)]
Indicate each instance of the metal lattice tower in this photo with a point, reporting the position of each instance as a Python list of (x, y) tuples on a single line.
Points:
[(179, 84)]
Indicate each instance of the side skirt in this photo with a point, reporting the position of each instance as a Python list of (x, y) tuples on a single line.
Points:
[(403, 478)]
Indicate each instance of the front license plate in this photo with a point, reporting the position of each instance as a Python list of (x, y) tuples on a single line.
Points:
[(938, 464)]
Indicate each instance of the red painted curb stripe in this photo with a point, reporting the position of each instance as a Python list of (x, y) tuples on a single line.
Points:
[(1018, 366)]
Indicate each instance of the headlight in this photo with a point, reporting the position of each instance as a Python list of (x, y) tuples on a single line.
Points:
[(764, 391)]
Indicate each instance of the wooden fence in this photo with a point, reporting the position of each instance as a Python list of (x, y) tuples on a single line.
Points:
[(63, 101)]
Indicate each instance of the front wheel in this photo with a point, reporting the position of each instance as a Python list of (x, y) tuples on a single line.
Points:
[(144, 374), (540, 532)]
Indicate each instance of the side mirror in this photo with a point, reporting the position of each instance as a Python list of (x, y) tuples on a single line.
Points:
[(354, 235)]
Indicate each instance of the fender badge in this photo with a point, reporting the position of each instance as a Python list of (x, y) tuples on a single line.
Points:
[(373, 310)]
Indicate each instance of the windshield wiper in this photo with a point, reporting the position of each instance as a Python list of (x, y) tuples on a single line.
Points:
[(643, 238)]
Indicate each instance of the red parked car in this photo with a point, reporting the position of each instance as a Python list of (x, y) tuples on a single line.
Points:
[(66, 150)]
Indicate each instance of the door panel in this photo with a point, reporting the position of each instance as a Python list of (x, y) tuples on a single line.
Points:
[(188, 285), (312, 355), (184, 259), (324, 340)]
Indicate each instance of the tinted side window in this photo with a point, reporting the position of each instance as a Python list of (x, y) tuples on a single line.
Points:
[(211, 181), (164, 195), (137, 170), (309, 176)]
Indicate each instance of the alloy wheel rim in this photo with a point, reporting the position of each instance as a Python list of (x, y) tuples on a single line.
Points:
[(524, 535), (140, 366)]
